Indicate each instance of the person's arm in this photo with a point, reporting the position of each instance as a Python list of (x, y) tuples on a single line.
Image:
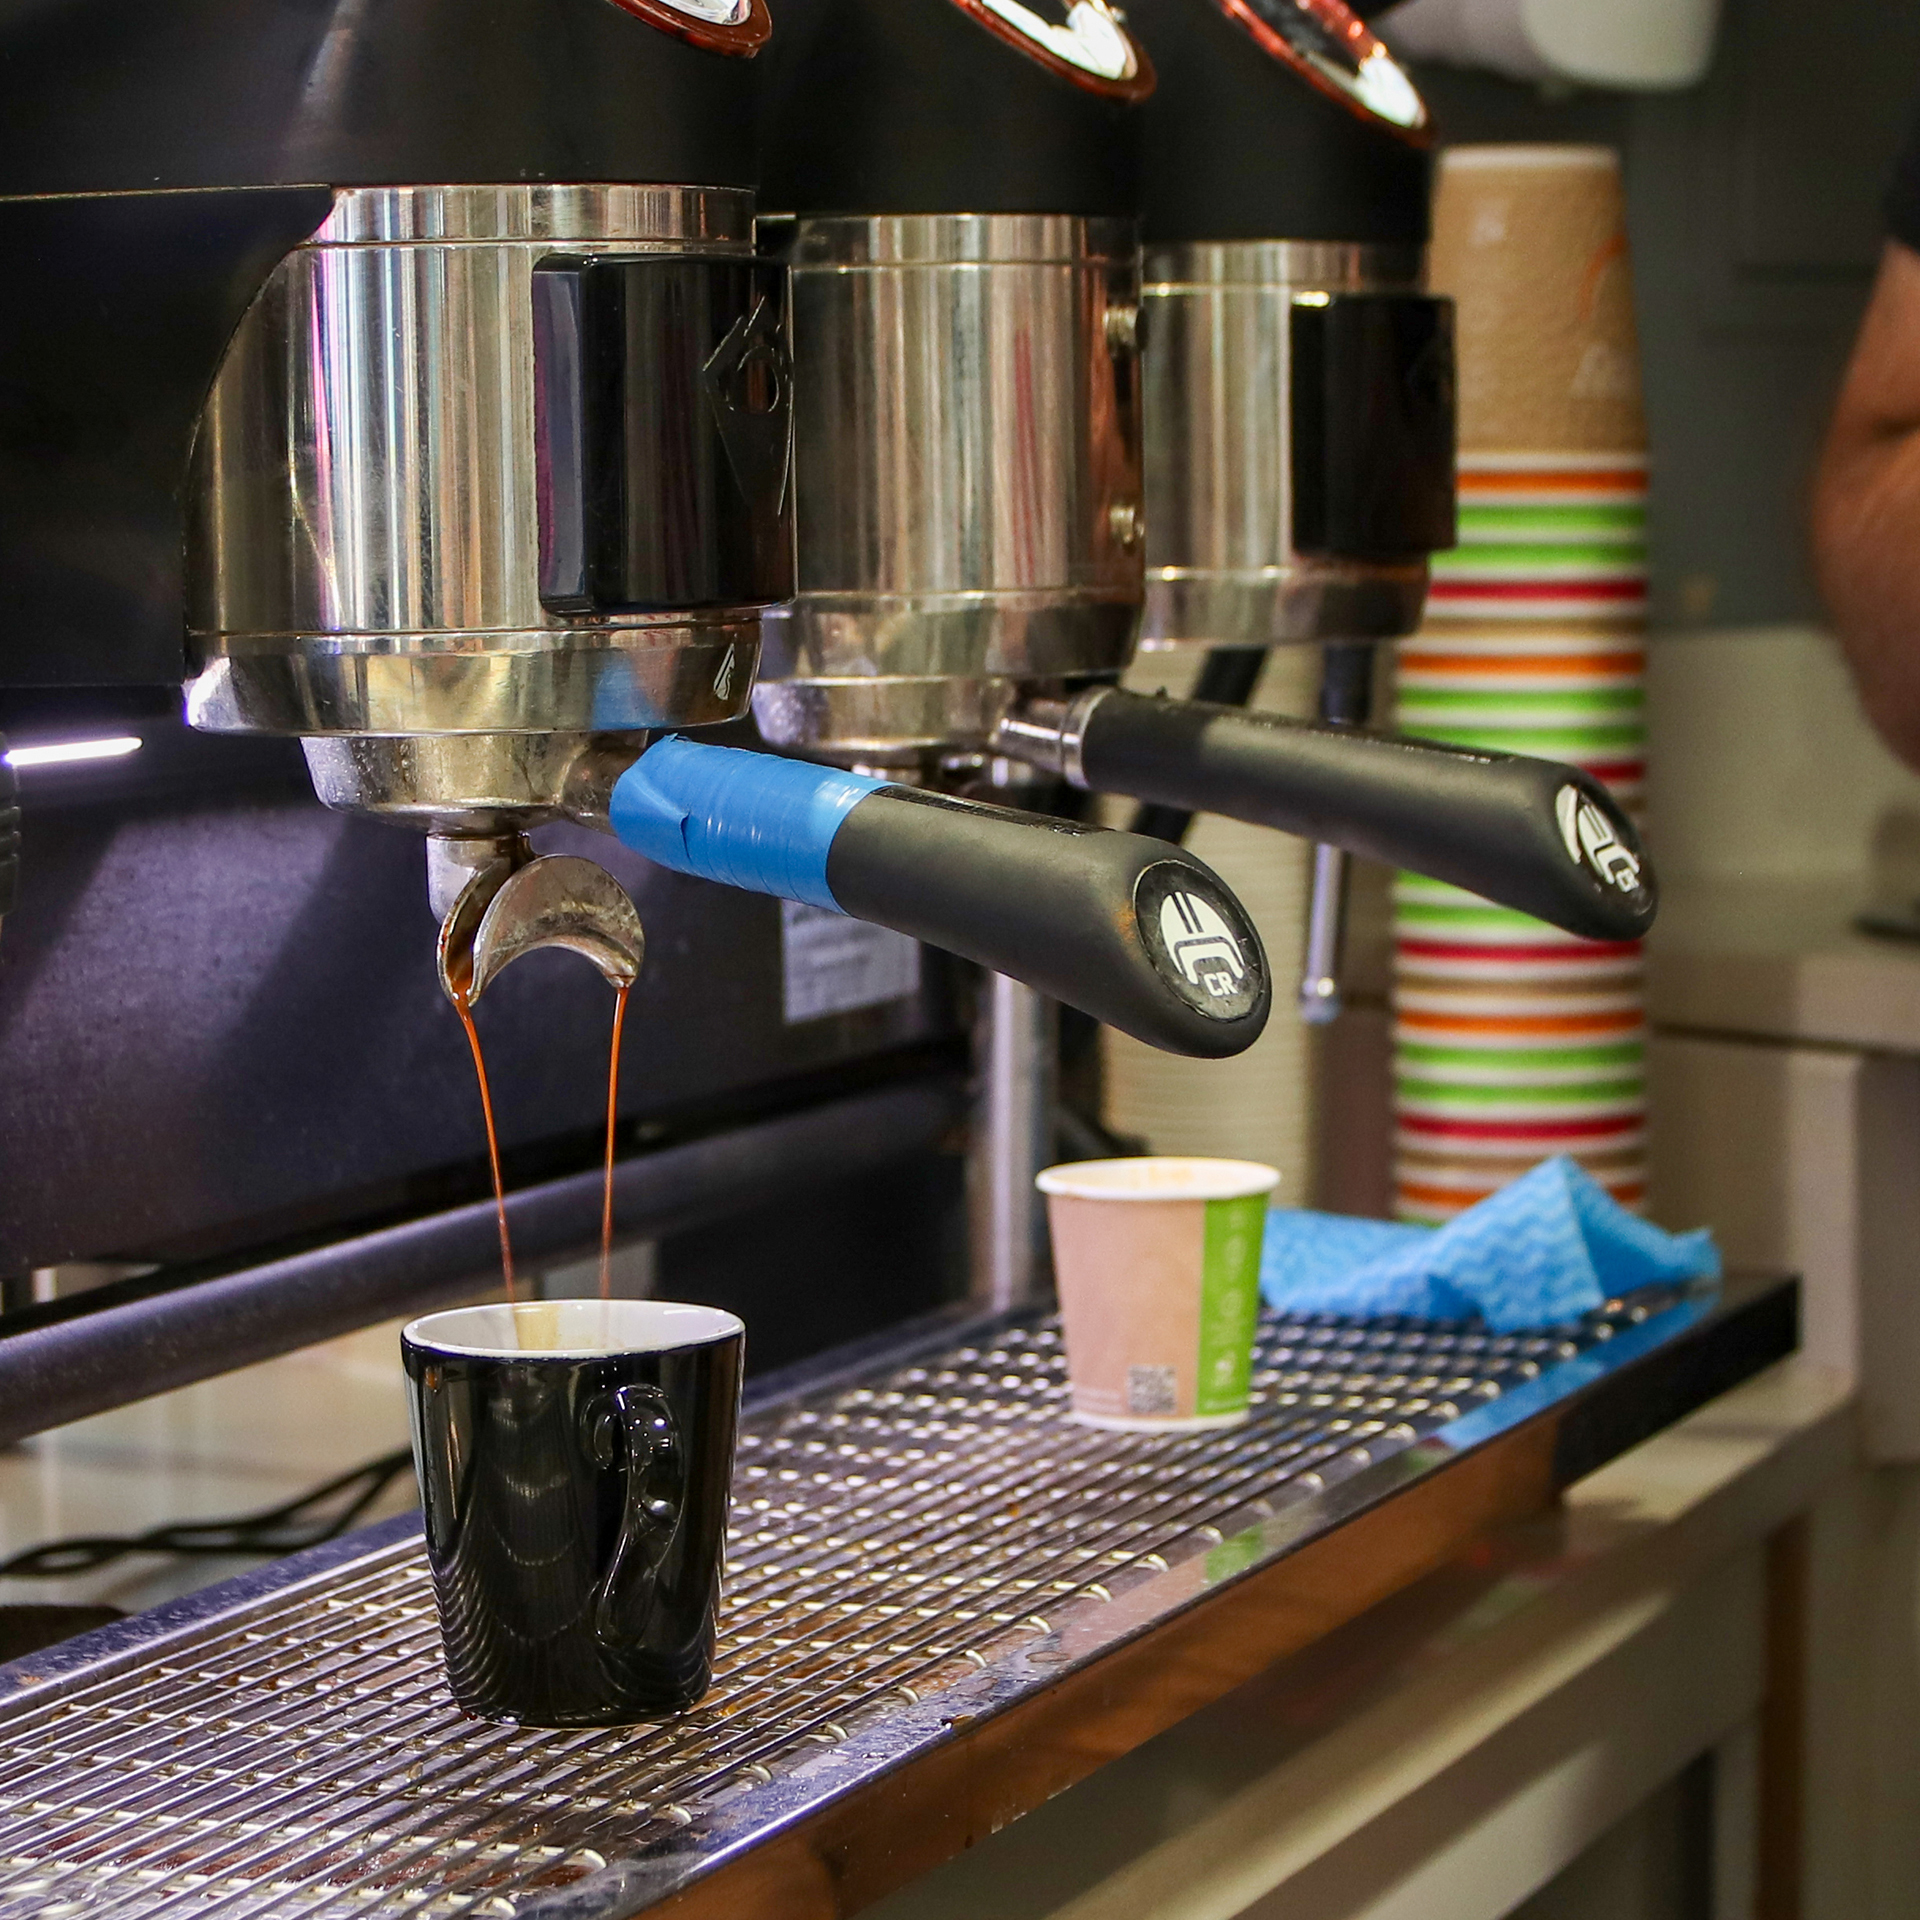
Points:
[(1866, 506)]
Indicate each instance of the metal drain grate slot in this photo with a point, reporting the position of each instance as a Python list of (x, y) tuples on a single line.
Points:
[(297, 1754)]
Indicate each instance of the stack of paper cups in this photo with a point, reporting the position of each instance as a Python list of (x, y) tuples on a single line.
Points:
[(1514, 1041)]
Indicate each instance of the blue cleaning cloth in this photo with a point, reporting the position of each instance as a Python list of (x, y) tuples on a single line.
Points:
[(1542, 1251)]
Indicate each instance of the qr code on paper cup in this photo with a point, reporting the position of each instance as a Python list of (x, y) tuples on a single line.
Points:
[(1150, 1390)]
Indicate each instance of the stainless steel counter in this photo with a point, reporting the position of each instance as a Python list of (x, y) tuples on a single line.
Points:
[(946, 1603)]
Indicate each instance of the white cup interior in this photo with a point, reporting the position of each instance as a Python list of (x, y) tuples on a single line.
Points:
[(572, 1329), (1159, 1177)]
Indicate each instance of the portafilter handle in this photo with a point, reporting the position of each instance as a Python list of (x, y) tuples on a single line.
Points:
[(1534, 835), (1130, 930)]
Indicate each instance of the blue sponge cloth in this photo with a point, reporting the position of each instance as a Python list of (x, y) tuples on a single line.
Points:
[(1542, 1251)]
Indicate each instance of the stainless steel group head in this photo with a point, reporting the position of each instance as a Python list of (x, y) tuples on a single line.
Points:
[(967, 469)]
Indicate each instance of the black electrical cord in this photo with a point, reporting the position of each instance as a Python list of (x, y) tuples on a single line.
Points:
[(283, 1529)]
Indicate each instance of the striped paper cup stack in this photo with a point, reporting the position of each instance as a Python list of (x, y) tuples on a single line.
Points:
[(1512, 1040)]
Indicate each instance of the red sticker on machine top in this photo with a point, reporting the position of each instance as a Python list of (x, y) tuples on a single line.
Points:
[(1334, 50), (738, 27), (1085, 41)]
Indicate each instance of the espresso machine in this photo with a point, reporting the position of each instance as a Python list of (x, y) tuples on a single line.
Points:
[(421, 405), (957, 186), (490, 488), (409, 384)]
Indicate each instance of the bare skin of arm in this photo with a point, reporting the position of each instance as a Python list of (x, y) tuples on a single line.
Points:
[(1866, 506)]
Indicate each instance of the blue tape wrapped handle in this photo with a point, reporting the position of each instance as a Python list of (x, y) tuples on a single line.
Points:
[(1131, 930), (745, 819)]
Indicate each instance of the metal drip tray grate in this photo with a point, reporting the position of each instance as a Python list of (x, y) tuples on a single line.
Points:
[(285, 1746)]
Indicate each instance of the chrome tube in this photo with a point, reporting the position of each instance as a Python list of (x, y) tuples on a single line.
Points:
[(1221, 566), (967, 469), (1320, 995), (1016, 1046)]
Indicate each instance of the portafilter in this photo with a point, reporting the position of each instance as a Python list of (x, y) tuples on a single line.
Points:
[(491, 489), (1298, 381)]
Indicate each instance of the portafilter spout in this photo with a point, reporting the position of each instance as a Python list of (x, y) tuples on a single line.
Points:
[(501, 901)]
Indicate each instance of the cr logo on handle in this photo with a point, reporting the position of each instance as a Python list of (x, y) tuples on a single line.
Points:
[(1202, 948), (1202, 944), (1591, 840)]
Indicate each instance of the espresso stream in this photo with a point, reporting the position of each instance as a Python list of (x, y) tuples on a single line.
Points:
[(613, 1113), (463, 1005)]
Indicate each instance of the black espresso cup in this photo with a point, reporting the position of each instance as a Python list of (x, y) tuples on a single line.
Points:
[(574, 1460)]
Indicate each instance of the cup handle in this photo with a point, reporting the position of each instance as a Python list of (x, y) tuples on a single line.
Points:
[(655, 1493)]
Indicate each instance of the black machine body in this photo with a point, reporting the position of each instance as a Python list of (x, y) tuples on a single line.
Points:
[(157, 163), (952, 106)]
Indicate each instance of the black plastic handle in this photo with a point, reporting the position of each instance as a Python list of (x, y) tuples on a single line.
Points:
[(1137, 933), (1534, 835), (663, 403), (1227, 678)]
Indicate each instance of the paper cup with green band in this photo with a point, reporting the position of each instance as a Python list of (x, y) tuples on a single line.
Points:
[(1158, 1265)]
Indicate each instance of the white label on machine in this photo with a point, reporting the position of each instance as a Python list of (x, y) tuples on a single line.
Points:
[(831, 964)]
